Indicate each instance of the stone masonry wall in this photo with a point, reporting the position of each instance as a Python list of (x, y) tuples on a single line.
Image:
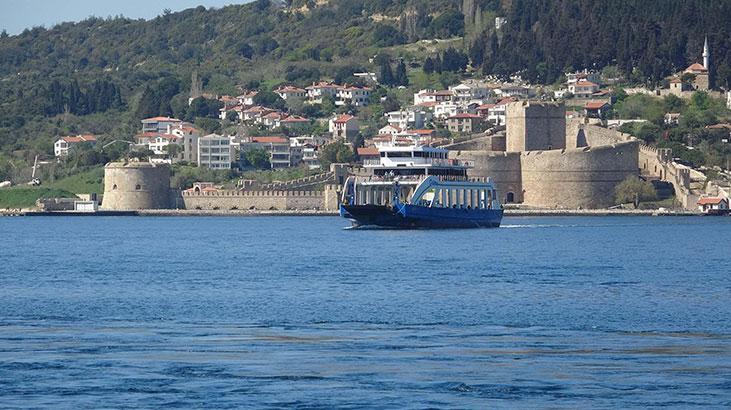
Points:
[(535, 125), (578, 178), (263, 200), (502, 167), (136, 185)]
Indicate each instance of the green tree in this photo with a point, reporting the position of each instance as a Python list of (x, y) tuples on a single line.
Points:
[(634, 190), (335, 152), (270, 99), (257, 158), (387, 77), (401, 78)]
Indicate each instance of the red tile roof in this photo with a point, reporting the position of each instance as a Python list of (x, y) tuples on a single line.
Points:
[(270, 140), (295, 118), (368, 151), (710, 201), (583, 83), (595, 105), (80, 138), (343, 118), (423, 132)]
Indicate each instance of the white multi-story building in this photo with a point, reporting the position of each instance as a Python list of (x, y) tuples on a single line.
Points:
[(277, 147), (290, 93), (410, 118), (344, 127), (215, 152), (63, 145), (583, 89), (425, 97)]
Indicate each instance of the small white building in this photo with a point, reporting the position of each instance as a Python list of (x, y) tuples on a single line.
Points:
[(427, 96), (713, 205), (63, 145), (344, 127), (290, 93), (583, 89), (446, 109), (215, 152)]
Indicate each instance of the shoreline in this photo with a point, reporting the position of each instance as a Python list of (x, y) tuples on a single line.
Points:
[(256, 213)]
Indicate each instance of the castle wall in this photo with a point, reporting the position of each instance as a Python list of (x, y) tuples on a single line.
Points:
[(577, 178), (263, 200), (502, 167), (136, 185), (535, 126)]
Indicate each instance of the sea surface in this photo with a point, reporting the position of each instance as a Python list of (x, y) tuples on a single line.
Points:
[(297, 312)]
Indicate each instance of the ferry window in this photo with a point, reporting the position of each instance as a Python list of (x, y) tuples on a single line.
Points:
[(383, 154)]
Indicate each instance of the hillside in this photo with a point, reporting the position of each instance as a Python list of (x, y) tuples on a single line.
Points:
[(90, 76)]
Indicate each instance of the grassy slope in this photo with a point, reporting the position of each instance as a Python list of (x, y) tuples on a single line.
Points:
[(26, 197), (82, 183)]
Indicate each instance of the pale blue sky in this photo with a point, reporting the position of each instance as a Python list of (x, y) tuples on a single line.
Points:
[(17, 15)]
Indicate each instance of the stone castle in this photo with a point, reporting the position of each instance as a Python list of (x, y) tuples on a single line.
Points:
[(547, 163)]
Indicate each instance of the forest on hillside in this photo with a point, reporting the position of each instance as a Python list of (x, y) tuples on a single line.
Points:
[(101, 75)]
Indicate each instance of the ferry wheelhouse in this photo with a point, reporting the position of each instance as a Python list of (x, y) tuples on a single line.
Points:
[(419, 187)]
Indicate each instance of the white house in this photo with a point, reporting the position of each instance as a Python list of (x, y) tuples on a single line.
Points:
[(713, 205), (446, 109), (583, 89), (247, 99), (215, 152), (389, 130), (586, 75), (317, 91), (63, 145), (344, 127), (358, 96), (290, 93), (467, 92), (427, 96), (189, 136), (409, 118)]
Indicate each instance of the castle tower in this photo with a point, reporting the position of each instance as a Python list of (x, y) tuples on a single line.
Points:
[(706, 55), (535, 126)]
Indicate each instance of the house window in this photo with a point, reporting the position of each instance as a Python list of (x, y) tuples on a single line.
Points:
[(114, 187), (138, 187)]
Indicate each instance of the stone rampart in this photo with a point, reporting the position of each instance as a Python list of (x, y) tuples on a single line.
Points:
[(502, 167), (326, 200), (577, 178), (136, 185)]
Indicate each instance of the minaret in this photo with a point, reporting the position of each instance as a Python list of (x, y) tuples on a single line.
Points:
[(706, 55)]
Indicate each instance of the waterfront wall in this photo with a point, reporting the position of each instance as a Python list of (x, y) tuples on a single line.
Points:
[(326, 200), (576, 178), (136, 185), (502, 167)]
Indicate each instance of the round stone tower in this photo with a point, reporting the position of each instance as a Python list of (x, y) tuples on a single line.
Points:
[(136, 185)]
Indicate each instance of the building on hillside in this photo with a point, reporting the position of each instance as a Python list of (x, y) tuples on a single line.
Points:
[(64, 145), (467, 92), (409, 118), (597, 109), (728, 100), (215, 152), (317, 91), (496, 113), (678, 87), (189, 136), (465, 123), (428, 96), (583, 89), (294, 123), (585, 75), (247, 99), (344, 127), (162, 125), (357, 96), (369, 78), (368, 154), (672, 118), (446, 109), (389, 130), (290, 93), (277, 147)]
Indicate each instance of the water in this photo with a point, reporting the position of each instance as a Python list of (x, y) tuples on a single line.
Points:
[(280, 312)]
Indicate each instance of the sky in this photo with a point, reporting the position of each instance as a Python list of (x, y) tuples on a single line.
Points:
[(17, 15)]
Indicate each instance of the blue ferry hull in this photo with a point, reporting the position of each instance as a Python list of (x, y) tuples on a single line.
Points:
[(412, 216)]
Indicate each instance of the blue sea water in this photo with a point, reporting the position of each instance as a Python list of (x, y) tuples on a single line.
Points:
[(297, 312)]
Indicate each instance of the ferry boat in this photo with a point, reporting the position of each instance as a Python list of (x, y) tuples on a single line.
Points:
[(419, 187)]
